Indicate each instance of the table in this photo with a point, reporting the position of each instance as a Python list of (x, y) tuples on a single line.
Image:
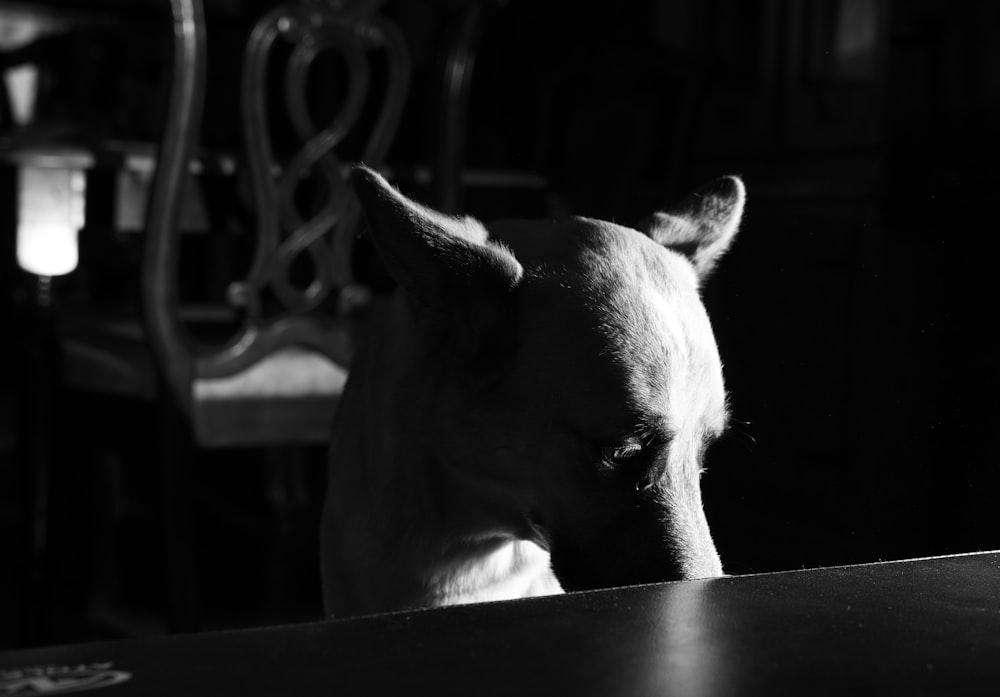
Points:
[(928, 626)]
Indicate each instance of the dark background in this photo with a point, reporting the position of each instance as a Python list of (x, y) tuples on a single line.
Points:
[(854, 314)]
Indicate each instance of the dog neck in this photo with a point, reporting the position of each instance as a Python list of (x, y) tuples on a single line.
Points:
[(400, 528)]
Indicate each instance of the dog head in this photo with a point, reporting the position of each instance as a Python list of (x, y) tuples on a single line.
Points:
[(564, 377)]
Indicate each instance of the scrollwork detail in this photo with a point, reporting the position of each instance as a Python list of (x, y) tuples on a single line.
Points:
[(284, 232)]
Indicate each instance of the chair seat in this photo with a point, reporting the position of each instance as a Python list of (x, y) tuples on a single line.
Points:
[(289, 396), (288, 373)]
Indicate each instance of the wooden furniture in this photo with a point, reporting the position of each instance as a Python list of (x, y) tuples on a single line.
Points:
[(277, 378), (920, 627)]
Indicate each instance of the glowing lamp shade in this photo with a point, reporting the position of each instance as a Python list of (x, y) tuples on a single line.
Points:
[(50, 215)]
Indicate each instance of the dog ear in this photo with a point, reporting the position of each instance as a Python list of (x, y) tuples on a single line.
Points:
[(447, 265), (703, 225)]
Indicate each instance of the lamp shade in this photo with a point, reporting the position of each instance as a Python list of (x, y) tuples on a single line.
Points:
[(50, 215)]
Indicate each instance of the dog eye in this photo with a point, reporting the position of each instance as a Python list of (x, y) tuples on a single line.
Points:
[(622, 454)]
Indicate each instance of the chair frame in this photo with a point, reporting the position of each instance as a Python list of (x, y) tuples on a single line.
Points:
[(310, 27)]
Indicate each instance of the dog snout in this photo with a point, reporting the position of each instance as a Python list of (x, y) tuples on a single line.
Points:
[(697, 555)]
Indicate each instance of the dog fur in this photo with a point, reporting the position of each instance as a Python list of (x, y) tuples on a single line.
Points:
[(531, 411)]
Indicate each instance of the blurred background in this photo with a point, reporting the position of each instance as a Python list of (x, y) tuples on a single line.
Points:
[(852, 314)]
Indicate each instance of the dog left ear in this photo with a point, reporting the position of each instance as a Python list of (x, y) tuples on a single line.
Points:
[(458, 280), (703, 225)]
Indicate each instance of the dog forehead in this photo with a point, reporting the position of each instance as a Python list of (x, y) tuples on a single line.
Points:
[(617, 319), (658, 336)]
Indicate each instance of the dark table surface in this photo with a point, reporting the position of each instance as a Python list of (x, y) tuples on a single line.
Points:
[(929, 626)]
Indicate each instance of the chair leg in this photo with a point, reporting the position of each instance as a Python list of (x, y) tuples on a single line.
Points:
[(178, 519)]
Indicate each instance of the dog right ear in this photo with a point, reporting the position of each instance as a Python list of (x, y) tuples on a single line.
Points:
[(447, 265), (703, 225)]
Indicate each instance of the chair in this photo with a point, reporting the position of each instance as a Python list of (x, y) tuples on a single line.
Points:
[(276, 380)]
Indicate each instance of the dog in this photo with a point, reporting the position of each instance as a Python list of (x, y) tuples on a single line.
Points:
[(531, 411)]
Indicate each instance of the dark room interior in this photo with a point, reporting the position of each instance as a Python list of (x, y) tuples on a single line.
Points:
[(851, 314)]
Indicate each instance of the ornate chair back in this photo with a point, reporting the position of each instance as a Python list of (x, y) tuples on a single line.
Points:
[(278, 378)]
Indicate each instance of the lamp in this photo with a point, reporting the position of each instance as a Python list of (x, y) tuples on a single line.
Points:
[(50, 214)]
